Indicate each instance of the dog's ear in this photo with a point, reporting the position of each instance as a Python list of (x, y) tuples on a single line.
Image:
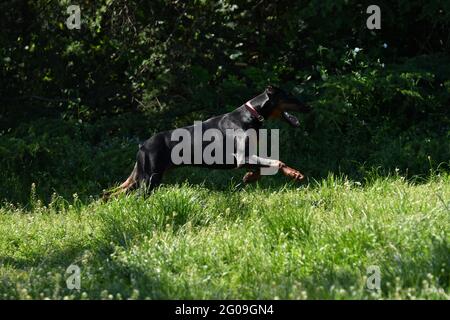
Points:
[(270, 90)]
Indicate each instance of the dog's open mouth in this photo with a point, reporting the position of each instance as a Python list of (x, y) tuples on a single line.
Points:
[(293, 121)]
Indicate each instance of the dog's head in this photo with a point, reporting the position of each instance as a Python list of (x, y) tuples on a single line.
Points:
[(279, 103)]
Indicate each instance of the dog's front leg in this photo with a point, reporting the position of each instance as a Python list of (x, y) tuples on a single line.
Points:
[(264, 162)]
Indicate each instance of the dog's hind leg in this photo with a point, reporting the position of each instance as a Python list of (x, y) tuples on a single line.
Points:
[(157, 161), (131, 180), (152, 181), (134, 180), (126, 186), (252, 176)]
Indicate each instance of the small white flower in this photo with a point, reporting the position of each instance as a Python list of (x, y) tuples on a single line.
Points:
[(356, 50), (385, 45)]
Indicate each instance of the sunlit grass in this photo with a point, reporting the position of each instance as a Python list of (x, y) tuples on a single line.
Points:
[(186, 241)]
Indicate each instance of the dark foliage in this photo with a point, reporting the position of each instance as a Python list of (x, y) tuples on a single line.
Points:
[(75, 103)]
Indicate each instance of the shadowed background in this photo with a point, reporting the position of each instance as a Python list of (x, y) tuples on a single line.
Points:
[(76, 103)]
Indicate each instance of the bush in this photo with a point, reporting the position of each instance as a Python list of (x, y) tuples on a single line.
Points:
[(75, 103)]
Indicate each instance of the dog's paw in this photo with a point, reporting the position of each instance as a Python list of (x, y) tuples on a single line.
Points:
[(251, 176), (292, 173)]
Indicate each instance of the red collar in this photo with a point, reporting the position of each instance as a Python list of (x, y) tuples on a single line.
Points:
[(253, 111)]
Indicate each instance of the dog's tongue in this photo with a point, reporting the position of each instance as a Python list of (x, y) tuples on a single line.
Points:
[(293, 121)]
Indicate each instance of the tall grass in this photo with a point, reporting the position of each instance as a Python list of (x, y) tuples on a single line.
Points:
[(184, 241)]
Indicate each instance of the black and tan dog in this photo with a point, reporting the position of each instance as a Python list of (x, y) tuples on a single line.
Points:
[(154, 155)]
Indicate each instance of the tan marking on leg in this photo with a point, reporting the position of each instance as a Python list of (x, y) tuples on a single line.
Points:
[(251, 176), (291, 172)]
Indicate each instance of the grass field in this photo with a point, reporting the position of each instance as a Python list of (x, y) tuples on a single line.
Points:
[(188, 241)]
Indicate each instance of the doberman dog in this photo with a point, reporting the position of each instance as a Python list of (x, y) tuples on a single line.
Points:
[(154, 155)]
